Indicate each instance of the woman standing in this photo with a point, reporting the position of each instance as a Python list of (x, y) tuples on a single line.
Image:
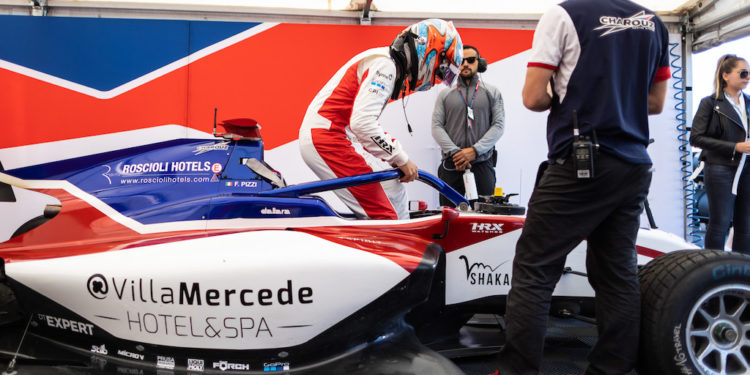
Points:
[(720, 129)]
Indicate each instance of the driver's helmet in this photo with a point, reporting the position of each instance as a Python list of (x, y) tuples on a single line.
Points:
[(439, 52)]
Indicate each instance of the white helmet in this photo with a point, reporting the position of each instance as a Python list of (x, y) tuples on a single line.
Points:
[(431, 51)]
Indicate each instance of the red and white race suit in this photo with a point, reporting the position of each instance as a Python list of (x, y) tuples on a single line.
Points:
[(340, 135)]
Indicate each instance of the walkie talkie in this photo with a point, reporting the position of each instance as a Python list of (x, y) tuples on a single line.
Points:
[(583, 152)]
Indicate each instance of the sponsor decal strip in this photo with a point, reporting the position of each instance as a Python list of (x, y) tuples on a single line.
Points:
[(132, 355), (98, 287), (165, 362), (638, 21), (67, 324), (224, 365), (230, 327), (276, 366), (478, 273), (99, 349), (195, 364)]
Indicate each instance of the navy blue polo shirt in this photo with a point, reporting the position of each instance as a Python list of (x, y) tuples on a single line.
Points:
[(605, 56)]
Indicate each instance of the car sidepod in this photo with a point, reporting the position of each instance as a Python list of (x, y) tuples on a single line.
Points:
[(245, 299)]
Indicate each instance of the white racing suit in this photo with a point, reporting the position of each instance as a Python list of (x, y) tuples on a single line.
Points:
[(340, 135)]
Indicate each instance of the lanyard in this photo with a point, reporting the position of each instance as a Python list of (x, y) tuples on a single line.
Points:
[(469, 106)]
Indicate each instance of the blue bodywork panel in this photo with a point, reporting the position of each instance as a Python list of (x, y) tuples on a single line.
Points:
[(198, 179)]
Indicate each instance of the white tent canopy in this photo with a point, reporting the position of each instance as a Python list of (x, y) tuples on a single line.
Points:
[(705, 23), (442, 6), (712, 22)]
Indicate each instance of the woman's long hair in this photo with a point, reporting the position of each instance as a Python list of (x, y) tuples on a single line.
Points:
[(725, 65)]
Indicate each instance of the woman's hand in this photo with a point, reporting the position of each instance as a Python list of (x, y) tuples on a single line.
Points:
[(743, 147)]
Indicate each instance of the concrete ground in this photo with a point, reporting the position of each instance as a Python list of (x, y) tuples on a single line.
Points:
[(567, 344)]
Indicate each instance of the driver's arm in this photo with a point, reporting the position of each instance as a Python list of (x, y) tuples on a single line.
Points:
[(378, 78)]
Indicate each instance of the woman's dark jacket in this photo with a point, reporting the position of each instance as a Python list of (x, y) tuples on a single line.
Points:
[(717, 128)]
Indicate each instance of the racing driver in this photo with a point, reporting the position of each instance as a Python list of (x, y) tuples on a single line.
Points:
[(340, 135)]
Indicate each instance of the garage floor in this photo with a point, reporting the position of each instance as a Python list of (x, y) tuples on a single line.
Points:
[(568, 342)]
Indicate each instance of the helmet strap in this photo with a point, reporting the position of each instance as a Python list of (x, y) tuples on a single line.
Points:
[(399, 57), (403, 50), (410, 48)]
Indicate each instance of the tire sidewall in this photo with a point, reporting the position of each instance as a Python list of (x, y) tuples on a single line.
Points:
[(695, 283)]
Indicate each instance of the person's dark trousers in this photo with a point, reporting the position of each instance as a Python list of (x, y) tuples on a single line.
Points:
[(724, 208), (563, 211), (484, 175)]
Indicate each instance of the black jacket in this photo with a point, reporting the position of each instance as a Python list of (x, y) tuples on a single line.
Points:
[(717, 128)]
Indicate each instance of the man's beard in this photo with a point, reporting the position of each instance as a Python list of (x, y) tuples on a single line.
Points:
[(468, 77)]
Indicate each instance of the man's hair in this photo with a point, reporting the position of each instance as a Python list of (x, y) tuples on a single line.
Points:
[(482, 66), (466, 46), (725, 65)]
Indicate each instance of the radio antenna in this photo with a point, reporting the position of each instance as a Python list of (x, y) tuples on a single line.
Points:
[(215, 110)]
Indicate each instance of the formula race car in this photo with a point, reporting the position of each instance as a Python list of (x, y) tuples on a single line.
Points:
[(193, 255)]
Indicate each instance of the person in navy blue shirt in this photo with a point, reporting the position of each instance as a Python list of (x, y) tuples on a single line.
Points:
[(602, 65)]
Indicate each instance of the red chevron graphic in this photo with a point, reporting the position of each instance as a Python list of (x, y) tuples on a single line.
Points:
[(271, 76)]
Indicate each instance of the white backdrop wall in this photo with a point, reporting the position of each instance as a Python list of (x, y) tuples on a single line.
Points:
[(179, 102), (523, 145)]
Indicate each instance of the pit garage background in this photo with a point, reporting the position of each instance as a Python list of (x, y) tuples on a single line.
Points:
[(81, 77)]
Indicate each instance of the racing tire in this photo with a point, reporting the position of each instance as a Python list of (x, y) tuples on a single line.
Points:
[(9, 310), (50, 211), (29, 225), (695, 313)]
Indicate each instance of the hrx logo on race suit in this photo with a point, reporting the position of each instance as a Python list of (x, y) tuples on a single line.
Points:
[(382, 143)]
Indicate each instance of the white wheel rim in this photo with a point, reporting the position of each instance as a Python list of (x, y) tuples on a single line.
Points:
[(718, 331)]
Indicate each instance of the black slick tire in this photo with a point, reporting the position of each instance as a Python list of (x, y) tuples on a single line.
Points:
[(695, 313)]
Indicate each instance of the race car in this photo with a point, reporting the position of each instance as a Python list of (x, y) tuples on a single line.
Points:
[(193, 255)]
